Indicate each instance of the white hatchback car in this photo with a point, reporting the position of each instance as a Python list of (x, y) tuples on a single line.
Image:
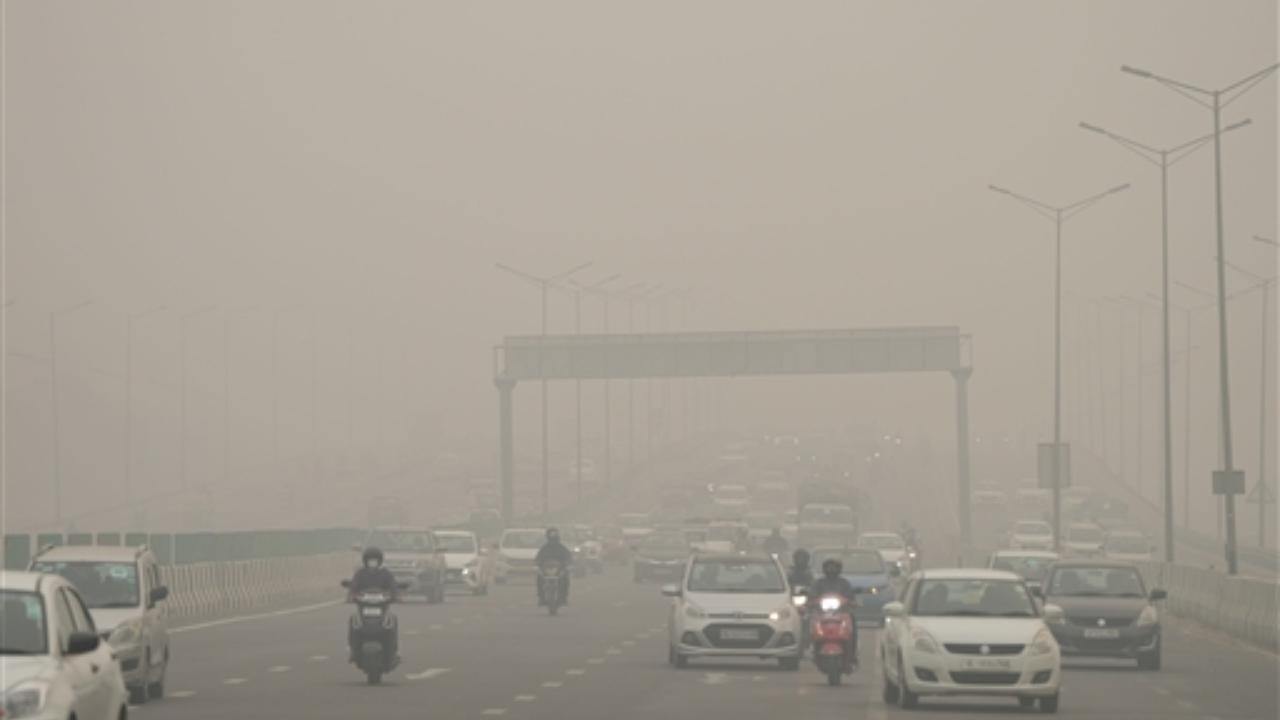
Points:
[(53, 663), (892, 548), (466, 563), (970, 632), (1031, 535), (733, 605)]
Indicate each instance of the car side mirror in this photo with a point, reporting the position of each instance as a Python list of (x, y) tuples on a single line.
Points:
[(81, 643), (1053, 614), (346, 584), (159, 593), (1159, 594), (671, 590), (895, 610), (895, 571)]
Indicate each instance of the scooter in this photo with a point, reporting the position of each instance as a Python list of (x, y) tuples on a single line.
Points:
[(550, 586), (374, 625), (831, 626)]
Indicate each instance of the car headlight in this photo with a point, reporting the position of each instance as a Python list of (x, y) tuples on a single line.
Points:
[(25, 700), (924, 642), (125, 633), (1149, 616), (1043, 644), (693, 612), (783, 613)]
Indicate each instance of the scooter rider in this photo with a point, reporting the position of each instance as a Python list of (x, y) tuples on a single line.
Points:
[(371, 575), (801, 575), (775, 544), (833, 583), (554, 550)]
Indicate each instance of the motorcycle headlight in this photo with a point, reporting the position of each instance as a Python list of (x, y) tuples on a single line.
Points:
[(799, 601), (25, 700), (923, 641), (1043, 643), (829, 604), (124, 634), (783, 613), (1149, 616)]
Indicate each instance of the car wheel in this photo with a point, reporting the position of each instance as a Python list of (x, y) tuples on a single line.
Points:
[(889, 693), (137, 694), (906, 699), (679, 661), (1049, 705), (156, 689)]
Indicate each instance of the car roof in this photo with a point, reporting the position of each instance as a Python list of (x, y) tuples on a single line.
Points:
[(99, 553), (968, 574), (734, 557), (1100, 564), (454, 532), (880, 533), (1048, 554), (398, 528), (528, 529), (20, 580), (840, 549)]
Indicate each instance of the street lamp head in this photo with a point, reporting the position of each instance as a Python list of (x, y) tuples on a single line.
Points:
[(1118, 188), (1094, 128), (1237, 126), (1266, 241), (998, 189), (1135, 71)]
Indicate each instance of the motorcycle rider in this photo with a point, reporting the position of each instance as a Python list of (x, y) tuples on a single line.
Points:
[(371, 575), (833, 583), (801, 575), (775, 544), (554, 550)]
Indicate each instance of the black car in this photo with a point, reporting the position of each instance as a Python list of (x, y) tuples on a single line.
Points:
[(661, 556), (1107, 611)]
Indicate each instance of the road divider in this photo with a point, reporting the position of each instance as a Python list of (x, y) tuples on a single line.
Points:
[(1244, 607), (203, 590)]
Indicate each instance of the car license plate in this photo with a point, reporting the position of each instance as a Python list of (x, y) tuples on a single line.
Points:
[(1101, 633), (371, 612), (739, 635), (988, 664)]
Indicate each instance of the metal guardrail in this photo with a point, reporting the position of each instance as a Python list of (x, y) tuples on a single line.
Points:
[(189, 548)]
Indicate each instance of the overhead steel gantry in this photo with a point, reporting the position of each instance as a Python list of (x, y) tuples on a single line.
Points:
[(734, 354)]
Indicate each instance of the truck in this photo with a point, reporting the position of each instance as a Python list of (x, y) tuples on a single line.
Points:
[(827, 515)]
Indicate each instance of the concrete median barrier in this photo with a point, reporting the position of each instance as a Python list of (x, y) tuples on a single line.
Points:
[(1243, 607)]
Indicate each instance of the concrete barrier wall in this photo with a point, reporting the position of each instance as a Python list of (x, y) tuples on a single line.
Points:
[(202, 590), (1243, 607)]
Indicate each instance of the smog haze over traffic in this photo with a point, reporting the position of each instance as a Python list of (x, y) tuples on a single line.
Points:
[(259, 259)]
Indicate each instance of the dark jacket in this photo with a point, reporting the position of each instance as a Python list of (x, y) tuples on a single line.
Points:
[(801, 577), (554, 550), (824, 586), (367, 578)]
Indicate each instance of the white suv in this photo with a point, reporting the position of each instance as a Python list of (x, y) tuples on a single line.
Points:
[(121, 586), (53, 664), (732, 605)]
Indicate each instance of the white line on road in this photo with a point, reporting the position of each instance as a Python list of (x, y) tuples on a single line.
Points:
[(427, 674), (415, 631), (526, 698), (552, 684), (279, 669), (1186, 704), (575, 671), (595, 661), (259, 616), (613, 651), (234, 681), (179, 694), (715, 678), (628, 643), (318, 658), (495, 711), (435, 627)]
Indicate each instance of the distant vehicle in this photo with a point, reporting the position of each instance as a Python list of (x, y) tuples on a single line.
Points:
[(1031, 535), (1033, 499), (468, 565), (890, 545), (54, 663), (1109, 612), (634, 527), (413, 556), (661, 556), (613, 547), (866, 571), (124, 593), (989, 500), (774, 495), (696, 537), (1031, 565), (724, 536), (485, 523), (592, 548), (791, 526), (827, 525), (731, 496), (736, 606), (1084, 540), (973, 633), (761, 523), (518, 548), (486, 499), (1128, 545)]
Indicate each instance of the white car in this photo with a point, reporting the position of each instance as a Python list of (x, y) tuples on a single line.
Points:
[(54, 665), (892, 548), (465, 562), (723, 536), (634, 527), (970, 632), (1084, 540), (733, 605), (1031, 535), (518, 549), (1128, 545), (122, 588)]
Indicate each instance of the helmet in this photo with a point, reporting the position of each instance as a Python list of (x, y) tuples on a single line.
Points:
[(371, 553), (553, 535), (832, 567), (800, 558)]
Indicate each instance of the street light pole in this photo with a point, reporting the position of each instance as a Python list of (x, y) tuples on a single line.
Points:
[(579, 288), (1059, 214), (131, 318), (544, 285), (53, 389), (182, 362), (1231, 92), (1164, 158)]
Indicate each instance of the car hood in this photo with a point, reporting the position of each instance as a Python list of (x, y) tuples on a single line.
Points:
[(716, 603), (980, 630), (1031, 537), (400, 558), (17, 669), (520, 553), (460, 559), (866, 581), (106, 619), (661, 555), (892, 554), (1083, 544), (1116, 607)]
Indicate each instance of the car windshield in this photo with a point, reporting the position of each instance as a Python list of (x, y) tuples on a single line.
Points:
[(1085, 534), (665, 541), (1096, 582), (1030, 568), (457, 543), (1032, 528), (826, 515), (414, 541), (882, 542), (1132, 544), (523, 540), (101, 584), (866, 562), (22, 625), (973, 598), (736, 576)]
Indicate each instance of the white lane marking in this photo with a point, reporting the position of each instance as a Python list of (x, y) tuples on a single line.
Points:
[(495, 711), (715, 678), (413, 632), (757, 678), (1162, 691), (613, 651), (526, 698), (1186, 704), (259, 616), (279, 669), (179, 694), (435, 627), (427, 674), (595, 661), (628, 643), (552, 684), (459, 621), (575, 671), (234, 681), (318, 658)]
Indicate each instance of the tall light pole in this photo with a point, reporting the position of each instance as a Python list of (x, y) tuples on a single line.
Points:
[(633, 293), (544, 284), (1219, 98), (1186, 421), (1059, 214), (53, 389), (1164, 158), (1142, 446), (579, 288), (182, 390), (130, 319), (226, 389)]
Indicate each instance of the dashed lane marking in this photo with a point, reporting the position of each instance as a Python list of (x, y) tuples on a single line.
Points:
[(715, 678), (595, 661), (179, 694), (427, 674), (628, 643), (234, 681), (526, 698), (1186, 704), (413, 632), (613, 651), (552, 684), (495, 711), (318, 658), (1162, 691), (279, 669), (435, 627), (575, 671)]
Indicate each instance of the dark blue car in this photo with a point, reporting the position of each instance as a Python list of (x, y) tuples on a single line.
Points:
[(867, 571)]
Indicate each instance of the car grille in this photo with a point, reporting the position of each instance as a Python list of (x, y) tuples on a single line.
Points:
[(738, 616), (1092, 622), (454, 574), (713, 632), (976, 649), (985, 678)]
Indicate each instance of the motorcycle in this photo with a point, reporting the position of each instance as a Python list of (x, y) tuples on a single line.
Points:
[(550, 586), (831, 626), (374, 625)]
